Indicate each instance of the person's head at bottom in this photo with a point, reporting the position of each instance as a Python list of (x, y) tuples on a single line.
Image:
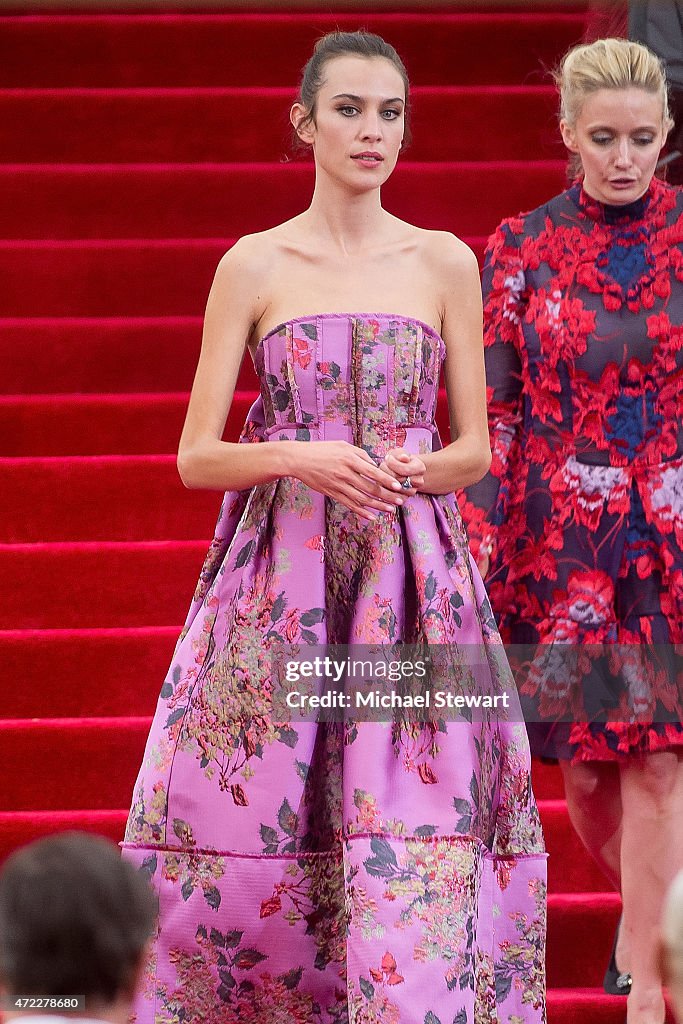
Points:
[(672, 945), (75, 919)]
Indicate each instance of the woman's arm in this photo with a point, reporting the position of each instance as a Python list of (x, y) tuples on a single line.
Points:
[(484, 505), (204, 460), (468, 457), (334, 468)]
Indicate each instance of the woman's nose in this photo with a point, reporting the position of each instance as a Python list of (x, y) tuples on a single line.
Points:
[(372, 127), (623, 152)]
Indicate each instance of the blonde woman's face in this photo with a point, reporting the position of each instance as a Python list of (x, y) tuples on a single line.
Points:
[(618, 134)]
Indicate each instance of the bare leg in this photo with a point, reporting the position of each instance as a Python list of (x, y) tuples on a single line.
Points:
[(651, 854), (593, 792)]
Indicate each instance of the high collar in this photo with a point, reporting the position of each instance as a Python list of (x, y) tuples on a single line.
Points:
[(609, 213)]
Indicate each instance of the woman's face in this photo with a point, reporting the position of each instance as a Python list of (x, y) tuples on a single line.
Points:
[(359, 121), (618, 135)]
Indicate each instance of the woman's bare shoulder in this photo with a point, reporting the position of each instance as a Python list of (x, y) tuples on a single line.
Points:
[(441, 249), (245, 274), (447, 250), (254, 253)]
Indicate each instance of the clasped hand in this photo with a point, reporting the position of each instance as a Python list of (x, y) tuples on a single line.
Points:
[(347, 474)]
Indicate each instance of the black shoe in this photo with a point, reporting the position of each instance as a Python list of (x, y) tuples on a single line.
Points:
[(615, 982)]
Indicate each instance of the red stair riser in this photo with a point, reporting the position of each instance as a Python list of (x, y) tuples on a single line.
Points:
[(126, 424), (20, 827), (128, 664), (226, 200), (101, 585), (95, 355), (46, 51), (63, 499), (111, 278), (93, 126)]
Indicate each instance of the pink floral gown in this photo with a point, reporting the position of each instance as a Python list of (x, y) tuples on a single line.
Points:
[(312, 872)]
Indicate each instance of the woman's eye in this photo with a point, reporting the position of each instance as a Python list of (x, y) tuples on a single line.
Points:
[(347, 111), (390, 115), (643, 140), (602, 140)]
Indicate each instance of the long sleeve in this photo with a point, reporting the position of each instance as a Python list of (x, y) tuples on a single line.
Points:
[(484, 505)]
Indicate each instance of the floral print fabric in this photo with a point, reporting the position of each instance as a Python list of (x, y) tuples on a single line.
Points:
[(334, 872), (582, 511)]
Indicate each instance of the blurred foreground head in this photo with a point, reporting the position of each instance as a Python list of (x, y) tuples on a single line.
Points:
[(75, 919), (672, 942)]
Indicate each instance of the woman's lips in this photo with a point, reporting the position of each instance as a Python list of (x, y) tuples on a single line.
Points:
[(368, 158)]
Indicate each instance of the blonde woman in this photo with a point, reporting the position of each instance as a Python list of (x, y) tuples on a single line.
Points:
[(578, 527)]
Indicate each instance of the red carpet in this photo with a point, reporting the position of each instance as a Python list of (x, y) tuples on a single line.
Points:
[(134, 148)]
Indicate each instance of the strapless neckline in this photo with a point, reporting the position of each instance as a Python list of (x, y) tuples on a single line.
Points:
[(346, 315)]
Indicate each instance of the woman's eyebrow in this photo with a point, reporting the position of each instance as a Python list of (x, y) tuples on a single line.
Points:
[(610, 128), (361, 99)]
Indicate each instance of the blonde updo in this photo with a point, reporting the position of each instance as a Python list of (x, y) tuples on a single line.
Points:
[(609, 64)]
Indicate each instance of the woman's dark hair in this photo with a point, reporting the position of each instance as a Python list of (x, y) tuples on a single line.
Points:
[(74, 918), (345, 44)]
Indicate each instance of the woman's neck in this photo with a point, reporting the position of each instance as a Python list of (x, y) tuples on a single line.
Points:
[(344, 220)]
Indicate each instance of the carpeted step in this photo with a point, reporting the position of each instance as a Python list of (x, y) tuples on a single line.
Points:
[(585, 1006), (68, 673), (229, 200), (149, 125), (103, 354), (88, 498), (75, 763), (80, 585), (113, 278), (580, 935), (268, 49), (101, 424), (108, 278), (44, 425), (20, 827)]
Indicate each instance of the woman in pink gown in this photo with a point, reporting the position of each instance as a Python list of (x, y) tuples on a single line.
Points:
[(342, 870)]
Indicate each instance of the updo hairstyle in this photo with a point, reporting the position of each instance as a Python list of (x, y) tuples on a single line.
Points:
[(345, 44), (609, 64)]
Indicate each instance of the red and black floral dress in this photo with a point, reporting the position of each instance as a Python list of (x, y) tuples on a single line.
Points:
[(581, 515)]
